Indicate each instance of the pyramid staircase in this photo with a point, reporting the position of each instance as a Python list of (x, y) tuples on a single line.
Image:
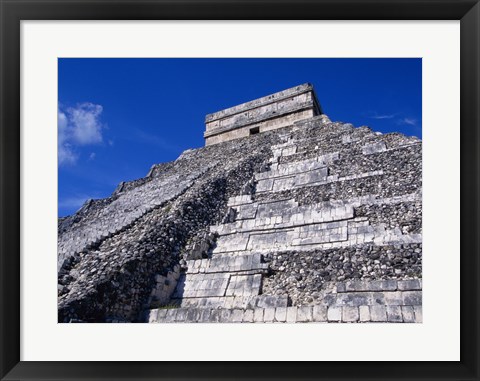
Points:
[(227, 286)]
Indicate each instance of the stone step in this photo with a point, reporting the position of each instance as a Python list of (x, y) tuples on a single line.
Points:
[(248, 262), (308, 179), (261, 301), (286, 214), (294, 168), (374, 298), (239, 200), (217, 285), (303, 314), (121, 213), (314, 236), (380, 285)]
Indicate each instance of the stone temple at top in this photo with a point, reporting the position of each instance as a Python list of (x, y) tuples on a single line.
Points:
[(263, 114)]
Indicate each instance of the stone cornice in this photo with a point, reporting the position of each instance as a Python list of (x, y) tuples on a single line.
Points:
[(269, 99)]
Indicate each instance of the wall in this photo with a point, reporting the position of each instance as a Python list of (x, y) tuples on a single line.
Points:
[(271, 112), (266, 125)]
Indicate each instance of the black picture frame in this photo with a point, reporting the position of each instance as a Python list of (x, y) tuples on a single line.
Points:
[(13, 11)]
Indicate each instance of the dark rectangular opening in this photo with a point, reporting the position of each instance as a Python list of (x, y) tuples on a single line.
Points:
[(254, 130)]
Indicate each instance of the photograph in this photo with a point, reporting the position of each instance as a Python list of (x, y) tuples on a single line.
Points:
[(239, 190)]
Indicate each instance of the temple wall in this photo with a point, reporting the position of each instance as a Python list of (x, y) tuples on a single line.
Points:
[(267, 125), (267, 113)]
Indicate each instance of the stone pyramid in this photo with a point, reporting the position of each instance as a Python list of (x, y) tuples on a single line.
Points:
[(284, 216)]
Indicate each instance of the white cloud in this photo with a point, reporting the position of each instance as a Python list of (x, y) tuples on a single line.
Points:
[(399, 119), (65, 153), (78, 126), (92, 155), (382, 116), (86, 127), (409, 121)]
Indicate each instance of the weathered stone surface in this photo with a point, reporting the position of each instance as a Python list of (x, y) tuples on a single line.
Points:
[(271, 301), (226, 316), (291, 314), (248, 316), (316, 221), (258, 315), (334, 314), (171, 315), (281, 314), (393, 298), (237, 316), (350, 314), (410, 285), (181, 315), (152, 316), (394, 314), (269, 315), (364, 312), (193, 315), (408, 314), (204, 316), (304, 314), (418, 314), (378, 313), (374, 148), (412, 298), (357, 285), (319, 313), (215, 316), (270, 112), (161, 315)]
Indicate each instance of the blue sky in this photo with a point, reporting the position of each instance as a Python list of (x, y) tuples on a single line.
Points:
[(117, 117)]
